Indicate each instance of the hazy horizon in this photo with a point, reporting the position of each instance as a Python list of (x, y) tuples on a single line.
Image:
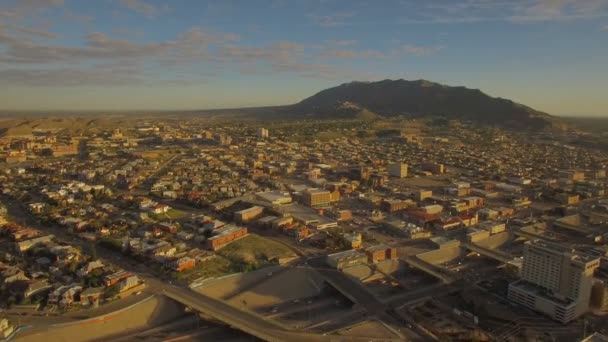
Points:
[(141, 55)]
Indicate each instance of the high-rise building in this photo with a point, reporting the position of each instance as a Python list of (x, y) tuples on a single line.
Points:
[(262, 132), (398, 170), (555, 280)]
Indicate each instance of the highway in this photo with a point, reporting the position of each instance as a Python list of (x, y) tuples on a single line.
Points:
[(385, 313), (239, 319)]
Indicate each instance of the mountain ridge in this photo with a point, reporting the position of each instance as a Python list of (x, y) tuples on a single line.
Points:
[(421, 98)]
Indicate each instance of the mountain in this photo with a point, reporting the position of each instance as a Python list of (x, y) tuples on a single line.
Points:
[(419, 98)]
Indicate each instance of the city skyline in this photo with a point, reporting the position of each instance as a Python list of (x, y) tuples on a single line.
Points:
[(164, 55)]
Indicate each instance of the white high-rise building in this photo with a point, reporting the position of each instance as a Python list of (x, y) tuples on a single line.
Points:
[(398, 170), (262, 132), (556, 280)]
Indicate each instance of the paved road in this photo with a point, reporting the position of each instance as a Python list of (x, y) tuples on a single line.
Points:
[(242, 320), (353, 289)]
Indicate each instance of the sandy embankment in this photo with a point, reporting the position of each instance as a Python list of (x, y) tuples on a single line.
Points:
[(152, 312)]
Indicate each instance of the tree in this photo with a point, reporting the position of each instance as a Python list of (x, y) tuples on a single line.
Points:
[(94, 251), (112, 291)]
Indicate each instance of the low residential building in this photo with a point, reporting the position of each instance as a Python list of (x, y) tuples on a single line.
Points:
[(392, 206), (225, 235), (274, 197), (346, 259), (91, 296), (421, 195), (380, 253), (568, 198), (184, 263), (129, 283), (354, 240), (493, 227), (249, 214), (114, 278), (24, 245)]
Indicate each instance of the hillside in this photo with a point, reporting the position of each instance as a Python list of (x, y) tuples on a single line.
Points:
[(420, 99)]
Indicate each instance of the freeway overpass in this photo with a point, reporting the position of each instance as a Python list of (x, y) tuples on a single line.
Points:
[(243, 320), (439, 273), (490, 253)]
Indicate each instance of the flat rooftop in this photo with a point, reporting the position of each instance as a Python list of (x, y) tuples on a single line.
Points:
[(555, 247)]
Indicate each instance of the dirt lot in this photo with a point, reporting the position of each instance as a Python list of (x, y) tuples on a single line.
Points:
[(153, 312), (371, 329), (258, 289)]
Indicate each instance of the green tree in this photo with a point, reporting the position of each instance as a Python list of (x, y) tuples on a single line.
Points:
[(112, 291)]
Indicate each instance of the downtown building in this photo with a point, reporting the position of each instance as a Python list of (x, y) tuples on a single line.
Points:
[(398, 170), (556, 281)]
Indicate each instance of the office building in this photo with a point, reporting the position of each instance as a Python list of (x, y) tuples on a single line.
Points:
[(555, 280), (319, 197), (398, 170), (262, 133)]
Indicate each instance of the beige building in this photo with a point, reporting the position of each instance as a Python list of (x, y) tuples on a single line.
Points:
[(398, 170), (421, 195), (248, 214), (262, 133), (555, 280), (599, 295), (319, 197)]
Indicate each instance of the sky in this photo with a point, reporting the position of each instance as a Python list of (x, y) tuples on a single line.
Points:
[(76, 55)]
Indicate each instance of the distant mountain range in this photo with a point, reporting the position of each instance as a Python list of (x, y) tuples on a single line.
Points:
[(421, 98), (360, 100)]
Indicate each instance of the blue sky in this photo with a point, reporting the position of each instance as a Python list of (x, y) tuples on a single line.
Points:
[(186, 54)]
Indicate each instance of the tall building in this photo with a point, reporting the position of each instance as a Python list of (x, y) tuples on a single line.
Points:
[(262, 132), (555, 280), (398, 170)]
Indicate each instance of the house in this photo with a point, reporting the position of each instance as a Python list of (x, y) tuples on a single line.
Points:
[(89, 267), (24, 245), (115, 277), (91, 296), (354, 240), (128, 283), (160, 208), (380, 253), (184, 263)]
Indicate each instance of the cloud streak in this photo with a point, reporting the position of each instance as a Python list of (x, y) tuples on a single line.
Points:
[(333, 20), (144, 8), (514, 11)]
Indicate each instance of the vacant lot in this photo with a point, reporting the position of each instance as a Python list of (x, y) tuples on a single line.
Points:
[(246, 254), (254, 249)]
